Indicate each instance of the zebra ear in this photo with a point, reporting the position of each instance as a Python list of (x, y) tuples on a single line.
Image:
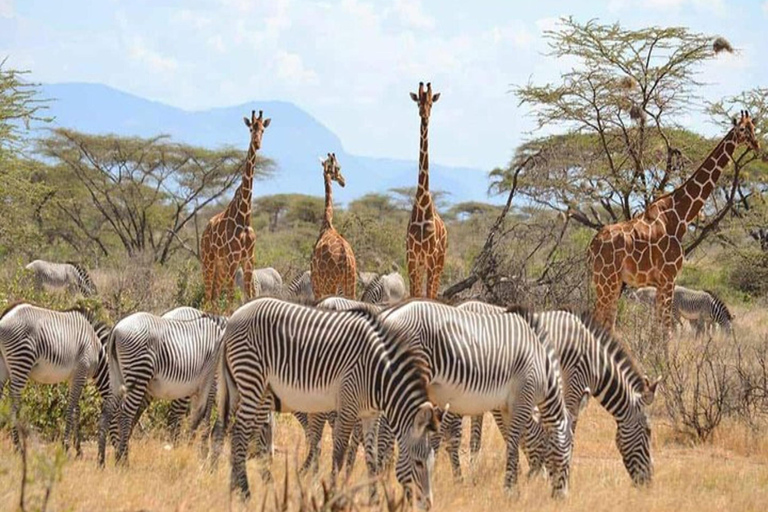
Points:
[(425, 420), (584, 399), (650, 389)]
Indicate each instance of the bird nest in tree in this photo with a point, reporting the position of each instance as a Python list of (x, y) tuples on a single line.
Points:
[(721, 44)]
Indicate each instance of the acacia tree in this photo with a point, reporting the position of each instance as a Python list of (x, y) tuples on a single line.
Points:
[(141, 191), (622, 147), (21, 196)]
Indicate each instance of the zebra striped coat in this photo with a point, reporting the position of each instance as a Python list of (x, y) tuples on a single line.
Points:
[(49, 347), (70, 276), (320, 361)]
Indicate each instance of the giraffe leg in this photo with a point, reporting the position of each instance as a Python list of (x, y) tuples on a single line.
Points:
[(433, 276), (664, 293), (414, 277), (209, 277), (350, 283), (229, 280), (248, 277), (608, 290)]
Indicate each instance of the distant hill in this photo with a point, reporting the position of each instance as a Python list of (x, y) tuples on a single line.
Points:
[(294, 141)]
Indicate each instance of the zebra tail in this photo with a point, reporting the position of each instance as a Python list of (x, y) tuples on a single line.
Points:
[(117, 383), (225, 389)]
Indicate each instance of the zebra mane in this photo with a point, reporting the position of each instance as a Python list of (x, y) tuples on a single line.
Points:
[(84, 278), (614, 346), (373, 285), (13, 305), (719, 302)]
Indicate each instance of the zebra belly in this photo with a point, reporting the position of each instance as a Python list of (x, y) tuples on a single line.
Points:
[(171, 390), (45, 372), (309, 401), (465, 402)]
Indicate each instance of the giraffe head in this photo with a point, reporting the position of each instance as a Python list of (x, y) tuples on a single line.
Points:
[(332, 169), (424, 99), (257, 126), (745, 131)]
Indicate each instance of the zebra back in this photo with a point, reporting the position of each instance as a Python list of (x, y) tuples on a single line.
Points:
[(720, 312)]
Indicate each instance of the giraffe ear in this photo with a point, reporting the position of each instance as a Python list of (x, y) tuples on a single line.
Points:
[(414, 97), (247, 122), (735, 121), (267, 121), (435, 98)]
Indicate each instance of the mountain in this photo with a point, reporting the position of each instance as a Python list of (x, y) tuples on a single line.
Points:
[(294, 141)]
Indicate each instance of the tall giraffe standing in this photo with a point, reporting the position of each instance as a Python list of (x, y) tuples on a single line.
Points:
[(427, 238), (648, 250), (333, 262), (228, 240)]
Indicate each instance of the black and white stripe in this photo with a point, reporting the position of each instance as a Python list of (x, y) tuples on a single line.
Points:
[(703, 308), (592, 360), (70, 276), (319, 361), (166, 358), (49, 347)]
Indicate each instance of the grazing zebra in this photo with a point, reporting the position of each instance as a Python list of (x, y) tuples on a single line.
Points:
[(592, 359), (71, 276), (49, 347), (701, 308), (318, 361), (165, 358), (479, 363), (387, 289), (266, 281), (300, 288)]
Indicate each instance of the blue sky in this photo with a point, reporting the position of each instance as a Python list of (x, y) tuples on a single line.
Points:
[(351, 63)]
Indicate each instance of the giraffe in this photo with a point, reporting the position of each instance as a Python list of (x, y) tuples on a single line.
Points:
[(427, 238), (648, 250), (228, 239), (333, 264)]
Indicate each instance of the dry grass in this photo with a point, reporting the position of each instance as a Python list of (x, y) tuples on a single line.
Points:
[(731, 472)]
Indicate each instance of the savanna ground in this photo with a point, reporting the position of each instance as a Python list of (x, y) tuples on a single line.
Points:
[(727, 471)]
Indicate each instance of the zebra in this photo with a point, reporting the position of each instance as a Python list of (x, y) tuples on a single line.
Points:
[(320, 361), (164, 357), (300, 288), (387, 289), (49, 347), (71, 276), (479, 363), (591, 359), (702, 308), (266, 281)]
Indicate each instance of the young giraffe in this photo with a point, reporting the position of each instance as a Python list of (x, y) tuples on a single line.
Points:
[(228, 239), (333, 264), (427, 238), (648, 250)]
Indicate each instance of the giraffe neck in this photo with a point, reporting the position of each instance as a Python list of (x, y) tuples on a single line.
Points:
[(240, 207), (700, 185), (328, 217), (423, 187)]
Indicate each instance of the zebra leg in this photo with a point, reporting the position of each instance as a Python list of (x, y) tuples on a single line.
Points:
[(242, 431), (357, 437), (17, 384), (178, 409), (450, 430), (128, 416), (516, 420), (385, 445), (367, 427), (108, 406), (73, 408), (535, 443), (476, 436), (342, 428), (313, 434)]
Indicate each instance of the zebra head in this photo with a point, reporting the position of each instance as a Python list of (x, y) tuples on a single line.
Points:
[(416, 459), (633, 436)]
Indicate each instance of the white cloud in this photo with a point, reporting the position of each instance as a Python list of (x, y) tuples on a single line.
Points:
[(290, 67), (411, 14), (765, 8), (139, 51), (6, 9), (716, 7)]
